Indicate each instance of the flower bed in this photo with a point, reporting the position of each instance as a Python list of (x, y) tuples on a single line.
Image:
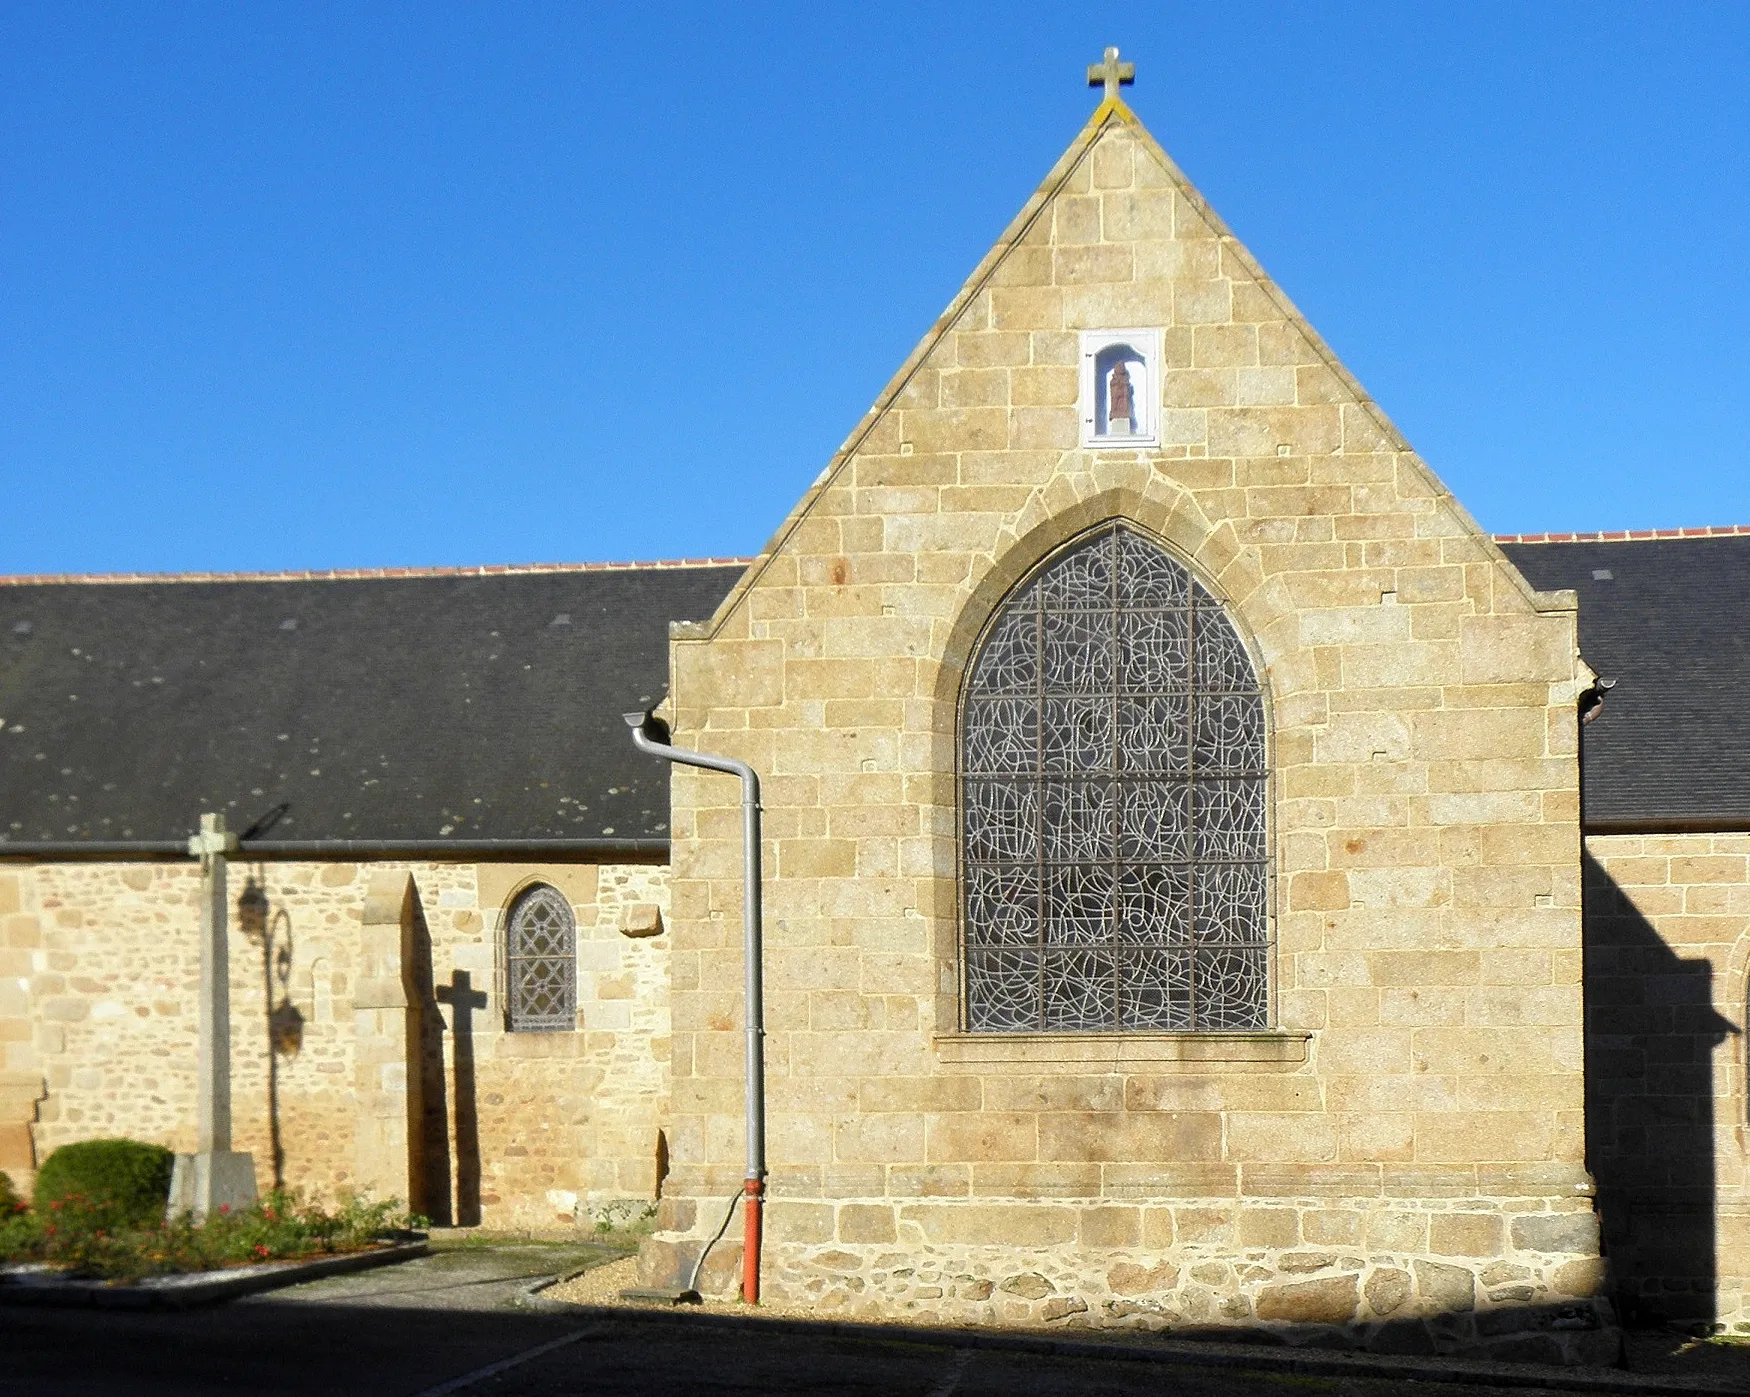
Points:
[(81, 1236)]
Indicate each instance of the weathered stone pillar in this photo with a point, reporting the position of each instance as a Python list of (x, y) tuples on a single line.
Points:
[(22, 1082), (384, 1032), (216, 1175), (20, 1091)]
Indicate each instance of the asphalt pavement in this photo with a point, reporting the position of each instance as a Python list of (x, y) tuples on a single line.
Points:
[(464, 1322)]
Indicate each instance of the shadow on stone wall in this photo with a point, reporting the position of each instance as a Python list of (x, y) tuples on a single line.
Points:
[(269, 929), (1651, 1031), (1561, 1335), (463, 1000), (444, 1151)]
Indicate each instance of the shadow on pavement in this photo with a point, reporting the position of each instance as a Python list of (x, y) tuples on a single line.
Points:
[(406, 1330), (281, 1348)]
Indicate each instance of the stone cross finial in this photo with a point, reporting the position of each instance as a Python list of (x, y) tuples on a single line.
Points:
[(213, 839), (1111, 73)]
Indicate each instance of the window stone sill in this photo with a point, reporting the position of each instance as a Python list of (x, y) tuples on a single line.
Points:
[(540, 1042), (1121, 1051)]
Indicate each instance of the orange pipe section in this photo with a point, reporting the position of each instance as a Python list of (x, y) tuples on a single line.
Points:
[(754, 1190)]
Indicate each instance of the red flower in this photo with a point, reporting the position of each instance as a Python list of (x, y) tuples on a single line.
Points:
[(260, 1250), (224, 1207)]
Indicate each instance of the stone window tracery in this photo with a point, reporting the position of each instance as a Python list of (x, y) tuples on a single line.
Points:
[(1113, 776), (540, 938)]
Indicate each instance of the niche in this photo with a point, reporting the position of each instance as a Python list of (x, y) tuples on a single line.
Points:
[(1120, 388)]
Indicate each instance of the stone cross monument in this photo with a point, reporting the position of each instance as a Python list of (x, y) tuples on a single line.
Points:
[(216, 1175)]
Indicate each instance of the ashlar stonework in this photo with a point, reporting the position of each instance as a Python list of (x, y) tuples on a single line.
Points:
[(1410, 1123)]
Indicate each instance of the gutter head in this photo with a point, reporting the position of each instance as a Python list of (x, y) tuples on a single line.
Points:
[(646, 724), (1592, 700)]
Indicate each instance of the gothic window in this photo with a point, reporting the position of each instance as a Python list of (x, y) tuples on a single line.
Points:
[(1113, 803), (540, 962)]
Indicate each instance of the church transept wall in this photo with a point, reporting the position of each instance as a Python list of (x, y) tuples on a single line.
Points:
[(1403, 1139)]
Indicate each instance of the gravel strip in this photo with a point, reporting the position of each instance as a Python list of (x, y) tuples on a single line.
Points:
[(601, 1285)]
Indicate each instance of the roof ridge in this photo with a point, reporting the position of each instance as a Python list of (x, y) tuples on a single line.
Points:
[(657, 564), (1630, 535), (360, 574)]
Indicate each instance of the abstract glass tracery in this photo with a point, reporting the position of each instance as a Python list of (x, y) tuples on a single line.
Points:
[(1113, 785), (541, 962)]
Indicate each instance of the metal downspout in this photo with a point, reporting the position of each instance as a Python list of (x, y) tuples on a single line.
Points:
[(650, 736)]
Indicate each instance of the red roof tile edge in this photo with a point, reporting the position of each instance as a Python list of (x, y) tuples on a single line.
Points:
[(1630, 535), (357, 574)]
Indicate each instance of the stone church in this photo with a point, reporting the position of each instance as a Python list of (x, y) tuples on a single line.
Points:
[(1186, 902)]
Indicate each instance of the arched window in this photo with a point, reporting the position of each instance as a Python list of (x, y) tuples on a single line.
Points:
[(540, 942), (1114, 842)]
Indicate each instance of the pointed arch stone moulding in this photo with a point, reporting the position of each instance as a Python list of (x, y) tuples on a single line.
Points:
[(1120, 388), (1114, 791)]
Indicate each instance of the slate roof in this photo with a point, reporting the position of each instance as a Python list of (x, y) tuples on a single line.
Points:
[(1667, 617), (437, 708), (450, 707)]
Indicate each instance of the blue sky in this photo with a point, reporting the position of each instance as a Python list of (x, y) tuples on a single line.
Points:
[(366, 284)]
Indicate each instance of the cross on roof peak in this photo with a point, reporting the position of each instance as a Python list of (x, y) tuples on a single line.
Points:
[(1111, 74)]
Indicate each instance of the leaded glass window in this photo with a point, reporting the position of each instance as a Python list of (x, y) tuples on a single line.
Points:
[(540, 962), (1115, 851)]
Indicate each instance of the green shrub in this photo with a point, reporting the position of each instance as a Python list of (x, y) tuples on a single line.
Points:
[(10, 1202), (75, 1235), (127, 1181)]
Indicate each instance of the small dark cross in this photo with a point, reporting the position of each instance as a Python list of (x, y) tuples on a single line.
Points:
[(461, 995), (1111, 73), (463, 1000)]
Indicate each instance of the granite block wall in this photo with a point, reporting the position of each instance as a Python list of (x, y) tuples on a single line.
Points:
[(1667, 958), (97, 1022), (1424, 1055)]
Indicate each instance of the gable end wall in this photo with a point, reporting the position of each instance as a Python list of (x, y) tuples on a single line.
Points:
[(1409, 1143)]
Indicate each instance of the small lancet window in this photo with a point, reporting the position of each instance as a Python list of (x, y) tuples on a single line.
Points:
[(540, 937), (1120, 388), (1114, 839)]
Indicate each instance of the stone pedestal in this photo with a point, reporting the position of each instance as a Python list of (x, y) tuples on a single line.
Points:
[(213, 1179)]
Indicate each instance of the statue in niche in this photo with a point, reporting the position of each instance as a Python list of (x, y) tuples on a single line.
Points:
[(1120, 409), (1119, 391)]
